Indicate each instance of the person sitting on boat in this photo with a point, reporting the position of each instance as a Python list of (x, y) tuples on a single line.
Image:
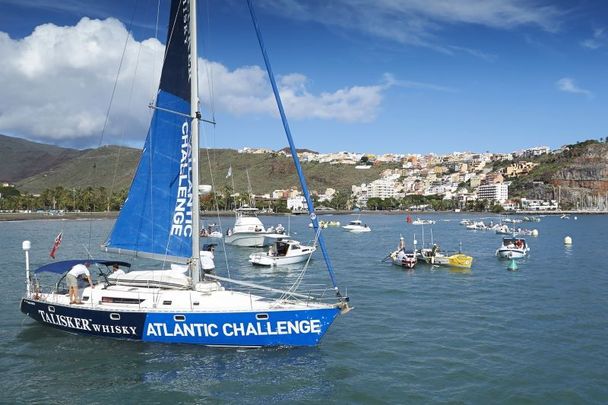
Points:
[(72, 280), (116, 270), (518, 244)]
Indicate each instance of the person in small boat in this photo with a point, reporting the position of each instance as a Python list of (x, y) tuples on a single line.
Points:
[(401, 245), (116, 270), (72, 280), (434, 250)]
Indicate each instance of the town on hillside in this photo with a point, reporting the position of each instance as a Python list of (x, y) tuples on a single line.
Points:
[(463, 180), (533, 179)]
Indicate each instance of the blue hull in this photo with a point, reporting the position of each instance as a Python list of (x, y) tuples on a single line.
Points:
[(239, 329)]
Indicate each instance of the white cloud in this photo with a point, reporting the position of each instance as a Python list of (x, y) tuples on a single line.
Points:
[(57, 83), (417, 22), (568, 85), (246, 90), (598, 40)]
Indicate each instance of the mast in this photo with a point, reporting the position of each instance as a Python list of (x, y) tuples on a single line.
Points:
[(195, 114)]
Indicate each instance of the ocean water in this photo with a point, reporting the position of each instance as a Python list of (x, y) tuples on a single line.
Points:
[(431, 335)]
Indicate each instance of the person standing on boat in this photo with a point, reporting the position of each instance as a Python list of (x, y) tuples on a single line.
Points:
[(72, 280)]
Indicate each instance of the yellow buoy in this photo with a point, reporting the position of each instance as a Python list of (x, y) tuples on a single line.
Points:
[(567, 240)]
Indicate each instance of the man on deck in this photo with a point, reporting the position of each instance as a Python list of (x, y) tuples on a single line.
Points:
[(72, 280)]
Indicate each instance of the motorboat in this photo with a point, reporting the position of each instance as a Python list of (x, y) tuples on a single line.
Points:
[(477, 226), (512, 220), (435, 257), (211, 231), (248, 230), (419, 221), (513, 248), (282, 252), (322, 224), (357, 226), (504, 230)]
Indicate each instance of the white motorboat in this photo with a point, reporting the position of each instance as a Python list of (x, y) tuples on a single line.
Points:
[(248, 230), (477, 226), (504, 230), (513, 248), (357, 226), (419, 221), (281, 252), (211, 231)]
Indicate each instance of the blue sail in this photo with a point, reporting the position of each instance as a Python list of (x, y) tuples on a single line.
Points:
[(156, 219)]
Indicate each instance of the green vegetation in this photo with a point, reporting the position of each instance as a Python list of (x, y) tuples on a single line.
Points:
[(88, 199)]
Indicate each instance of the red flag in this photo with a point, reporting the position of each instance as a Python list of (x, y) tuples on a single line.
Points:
[(56, 245)]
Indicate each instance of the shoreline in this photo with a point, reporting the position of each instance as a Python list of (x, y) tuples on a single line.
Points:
[(36, 216)]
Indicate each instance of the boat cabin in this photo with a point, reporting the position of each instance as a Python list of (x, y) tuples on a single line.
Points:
[(283, 247), (514, 243)]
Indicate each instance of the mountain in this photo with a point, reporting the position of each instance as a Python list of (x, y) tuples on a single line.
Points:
[(20, 158), (34, 167), (111, 167)]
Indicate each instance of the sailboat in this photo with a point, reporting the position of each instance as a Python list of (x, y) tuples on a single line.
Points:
[(160, 220)]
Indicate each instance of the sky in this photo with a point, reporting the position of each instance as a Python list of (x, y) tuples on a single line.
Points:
[(374, 76)]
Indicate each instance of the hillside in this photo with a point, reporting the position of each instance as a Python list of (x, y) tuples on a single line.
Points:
[(268, 172), (577, 175), (112, 167), (20, 158)]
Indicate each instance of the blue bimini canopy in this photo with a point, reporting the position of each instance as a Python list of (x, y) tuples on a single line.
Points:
[(66, 265)]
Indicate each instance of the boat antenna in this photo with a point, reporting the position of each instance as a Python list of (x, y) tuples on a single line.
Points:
[(292, 148)]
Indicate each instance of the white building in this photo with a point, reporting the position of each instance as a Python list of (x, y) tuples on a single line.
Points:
[(539, 205), (296, 203), (536, 151), (381, 189), (496, 192)]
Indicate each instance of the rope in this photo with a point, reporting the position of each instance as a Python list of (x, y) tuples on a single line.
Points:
[(296, 284), (217, 210), (105, 124)]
